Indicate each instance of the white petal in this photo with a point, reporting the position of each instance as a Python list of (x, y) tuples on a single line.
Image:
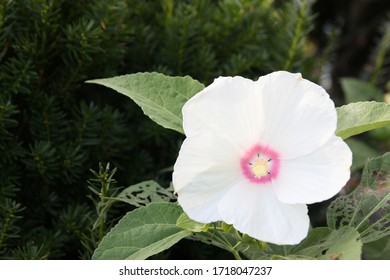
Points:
[(315, 177), (291, 115), (255, 210), (207, 166), (231, 107), (299, 115)]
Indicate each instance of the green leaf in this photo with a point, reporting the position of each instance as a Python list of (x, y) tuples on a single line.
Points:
[(357, 90), (356, 118), (186, 223), (327, 244), (142, 233), (146, 192), (367, 208), (377, 250), (376, 174), (160, 97)]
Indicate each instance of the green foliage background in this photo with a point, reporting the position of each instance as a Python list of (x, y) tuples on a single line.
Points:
[(54, 128)]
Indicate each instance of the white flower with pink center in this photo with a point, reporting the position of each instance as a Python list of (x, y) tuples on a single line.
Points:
[(257, 152)]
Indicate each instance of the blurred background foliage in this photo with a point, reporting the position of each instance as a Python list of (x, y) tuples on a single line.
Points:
[(54, 128)]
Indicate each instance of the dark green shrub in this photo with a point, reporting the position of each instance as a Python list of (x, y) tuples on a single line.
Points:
[(54, 128), (49, 136)]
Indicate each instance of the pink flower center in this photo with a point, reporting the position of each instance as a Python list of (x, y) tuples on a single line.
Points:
[(260, 164)]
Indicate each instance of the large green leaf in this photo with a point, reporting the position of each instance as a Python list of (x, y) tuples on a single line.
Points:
[(160, 97), (327, 244), (367, 209), (356, 118), (142, 233)]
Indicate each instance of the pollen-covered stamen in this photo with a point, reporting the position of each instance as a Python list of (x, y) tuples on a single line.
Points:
[(260, 168)]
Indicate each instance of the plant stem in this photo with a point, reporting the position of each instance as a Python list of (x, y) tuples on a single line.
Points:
[(4, 230), (297, 36), (102, 208), (236, 254)]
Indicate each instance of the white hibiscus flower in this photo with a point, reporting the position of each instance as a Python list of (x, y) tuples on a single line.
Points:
[(257, 152)]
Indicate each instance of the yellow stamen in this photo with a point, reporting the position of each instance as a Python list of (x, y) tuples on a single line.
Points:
[(260, 168)]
